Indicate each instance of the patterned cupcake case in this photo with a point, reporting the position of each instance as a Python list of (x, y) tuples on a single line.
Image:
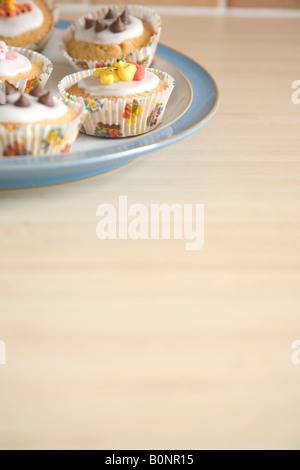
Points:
[(120, 117), (40, 139), (27, 84), (143, 56)]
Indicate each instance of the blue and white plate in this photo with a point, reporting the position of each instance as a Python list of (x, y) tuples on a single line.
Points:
[(193, 103)]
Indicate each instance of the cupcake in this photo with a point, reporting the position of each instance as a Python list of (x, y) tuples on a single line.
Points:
[(122, 100), (26, 23), (36, 123), (111, 33), (23, 68)]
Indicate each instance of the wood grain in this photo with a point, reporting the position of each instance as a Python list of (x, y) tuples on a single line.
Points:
[(141, 344), (199, 3), (290, 4), (265, 3), (210, 3)]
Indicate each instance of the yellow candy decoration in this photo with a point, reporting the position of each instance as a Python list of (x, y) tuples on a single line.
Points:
[(10, 4), (117, 71)]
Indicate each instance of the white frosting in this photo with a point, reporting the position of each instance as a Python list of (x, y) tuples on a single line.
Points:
[(11, 68), (35, 112), (133, 30), (92, 85), (10, 27)]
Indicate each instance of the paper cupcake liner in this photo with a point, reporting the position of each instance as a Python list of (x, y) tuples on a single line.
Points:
[(121, 117), (41, 44), (25, 85), (40, 139), (143, 56)]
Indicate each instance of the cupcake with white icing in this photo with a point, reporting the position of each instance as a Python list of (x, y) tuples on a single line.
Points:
[(26, 23), (23, 68), (111, 33), (122, 100), (36, 123)]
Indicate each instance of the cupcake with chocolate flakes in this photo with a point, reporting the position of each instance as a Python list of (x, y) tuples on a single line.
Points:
[(111, 33), (23, 68), (27, 23), (36, 123), (121, 100)]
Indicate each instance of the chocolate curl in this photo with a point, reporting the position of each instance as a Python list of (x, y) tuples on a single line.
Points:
[(110, 15), (89, 23), (47, 99), (100, 25), (22, 102), (10, 88), (125, 17), (37, 91), (117, 26)]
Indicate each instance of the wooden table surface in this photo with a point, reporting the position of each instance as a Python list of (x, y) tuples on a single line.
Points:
[(142, 344)]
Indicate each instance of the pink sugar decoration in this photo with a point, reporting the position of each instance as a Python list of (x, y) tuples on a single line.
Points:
[(11, 55)]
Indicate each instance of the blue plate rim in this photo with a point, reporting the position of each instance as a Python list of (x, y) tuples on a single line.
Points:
[(115, 152)]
